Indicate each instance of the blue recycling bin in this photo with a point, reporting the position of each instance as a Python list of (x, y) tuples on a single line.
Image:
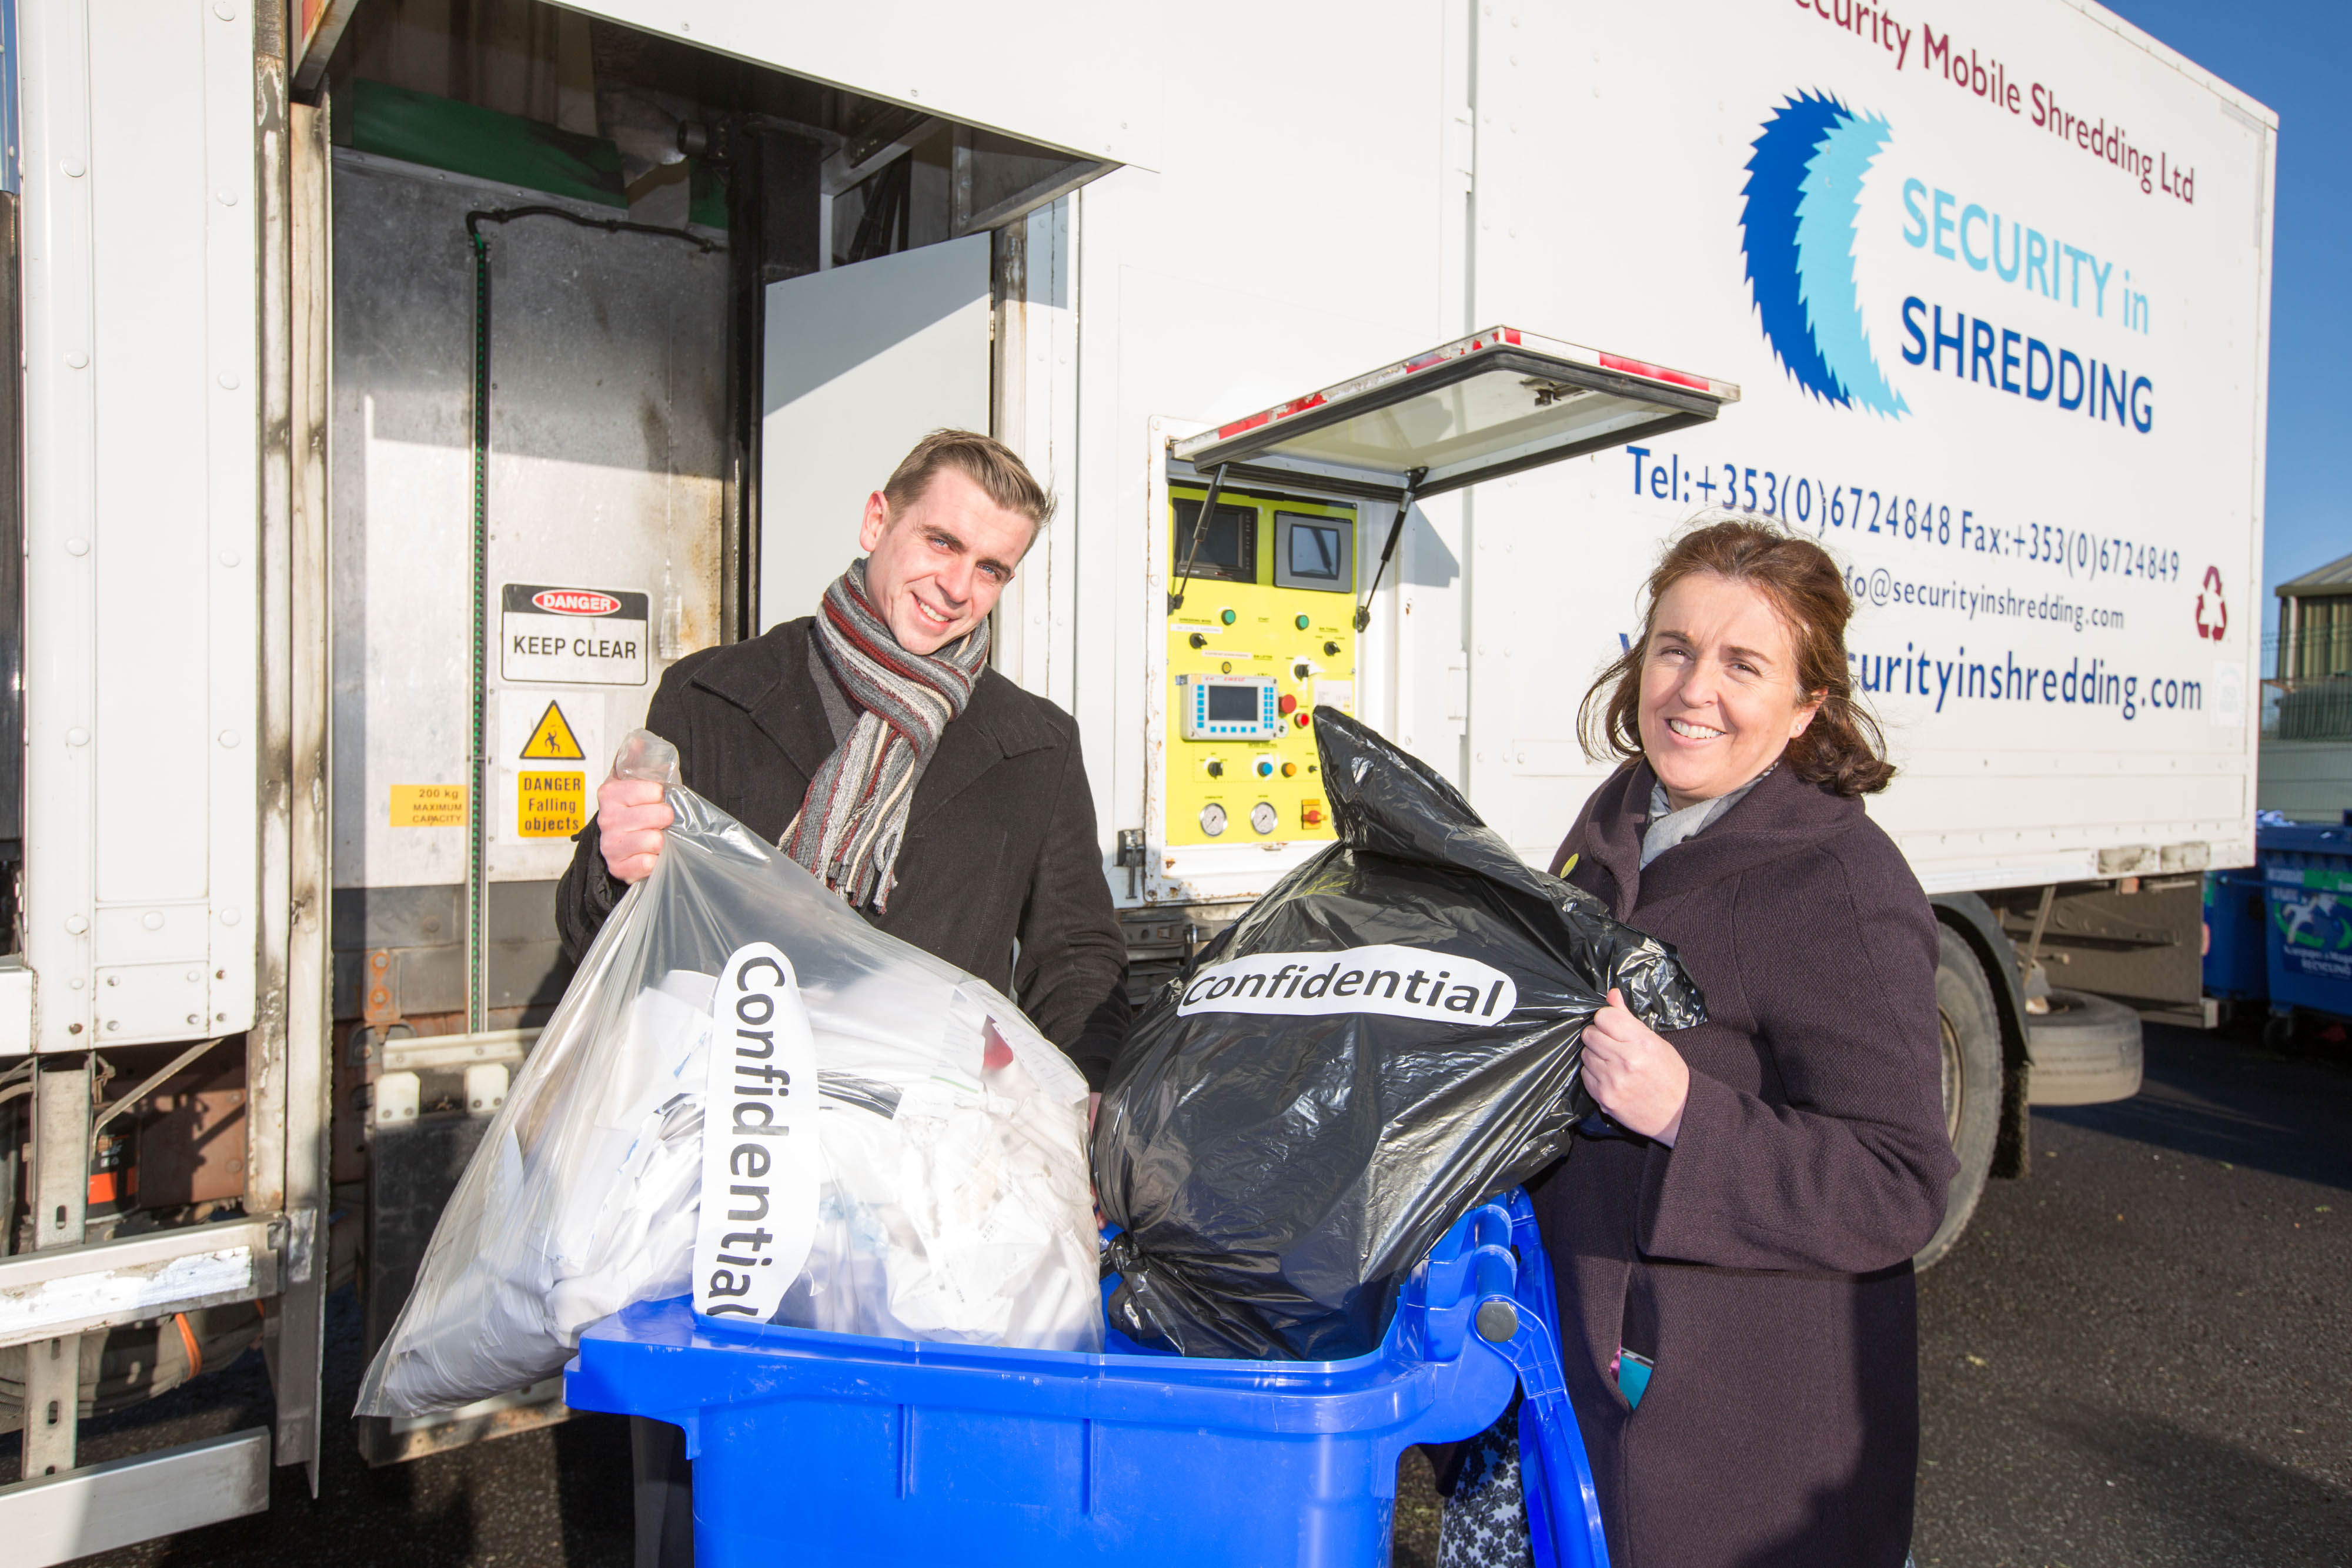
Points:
[(2307, 877), (838, 1448), (2237, 923)]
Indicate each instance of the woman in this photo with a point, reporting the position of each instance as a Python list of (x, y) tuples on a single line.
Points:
[(1738, 1229)]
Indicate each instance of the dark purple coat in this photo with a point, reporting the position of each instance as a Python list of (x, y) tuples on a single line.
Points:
[(1766, 1258)]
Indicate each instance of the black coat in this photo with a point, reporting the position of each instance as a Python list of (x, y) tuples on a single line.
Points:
[(999, 844), (1766, 1257)]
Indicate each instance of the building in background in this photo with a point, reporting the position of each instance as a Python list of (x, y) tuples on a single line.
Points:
[(2305, 768)]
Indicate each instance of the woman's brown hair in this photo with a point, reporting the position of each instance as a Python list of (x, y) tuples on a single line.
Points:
[(1843, 748)]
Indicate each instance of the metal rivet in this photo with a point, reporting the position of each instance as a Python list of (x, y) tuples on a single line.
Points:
[(72, 166), (113, 1024), (152, 920), (77, 737), (77, 547), (73, 1029), (229, 380), (228, 558), (225, 198), (114, 979), (76, 924), (196, 976), (229, 917), (195, 1017), (223, 10), (76, 360), (228, 739)]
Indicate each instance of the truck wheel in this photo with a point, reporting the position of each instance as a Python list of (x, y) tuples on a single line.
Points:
[(2086, 1052), (1972, 1075)]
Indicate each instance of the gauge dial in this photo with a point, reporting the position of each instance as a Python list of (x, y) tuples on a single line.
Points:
[(1212, 819), (1262, 816)]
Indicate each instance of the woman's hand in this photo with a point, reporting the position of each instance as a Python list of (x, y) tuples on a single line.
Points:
[(1634, 1075), (630, 817)]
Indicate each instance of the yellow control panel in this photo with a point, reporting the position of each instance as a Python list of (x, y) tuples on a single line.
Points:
[(1266, 633)]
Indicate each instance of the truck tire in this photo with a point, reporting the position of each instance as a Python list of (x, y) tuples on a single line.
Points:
[(1971, 1082), (2086, 1052)]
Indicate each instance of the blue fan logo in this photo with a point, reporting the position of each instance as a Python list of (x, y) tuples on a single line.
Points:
[(1803, 202)]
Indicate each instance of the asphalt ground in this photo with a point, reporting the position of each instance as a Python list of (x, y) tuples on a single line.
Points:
[(2139, 1356)]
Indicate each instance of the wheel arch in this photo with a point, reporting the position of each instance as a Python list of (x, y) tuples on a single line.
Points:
[(1973, 920)]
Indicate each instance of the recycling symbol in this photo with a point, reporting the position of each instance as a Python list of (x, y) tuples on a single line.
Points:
[(2219, 624)]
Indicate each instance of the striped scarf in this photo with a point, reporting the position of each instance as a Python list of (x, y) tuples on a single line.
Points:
[(853, 820)]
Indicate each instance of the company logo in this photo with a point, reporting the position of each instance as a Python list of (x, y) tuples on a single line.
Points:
[(1403, 982), (2213, 609), (1803, 204), (574, 601)]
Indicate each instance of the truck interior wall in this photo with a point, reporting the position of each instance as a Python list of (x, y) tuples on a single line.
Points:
[(607, 446)]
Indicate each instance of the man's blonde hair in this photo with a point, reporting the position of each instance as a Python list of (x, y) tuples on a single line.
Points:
[(988, 463)]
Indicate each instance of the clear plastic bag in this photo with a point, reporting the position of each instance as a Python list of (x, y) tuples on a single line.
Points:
[(933, 1187)]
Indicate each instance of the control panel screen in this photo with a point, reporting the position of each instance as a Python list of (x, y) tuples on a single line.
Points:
[(1232, 705), (1315, 552), (1228, 548)]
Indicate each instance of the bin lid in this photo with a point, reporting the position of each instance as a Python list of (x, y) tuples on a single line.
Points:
[(1495, 402)]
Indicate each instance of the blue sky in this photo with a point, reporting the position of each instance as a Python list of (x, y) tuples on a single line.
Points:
[(2291, 55)]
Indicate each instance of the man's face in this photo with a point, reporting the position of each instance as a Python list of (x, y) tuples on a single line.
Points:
[(935, 567)]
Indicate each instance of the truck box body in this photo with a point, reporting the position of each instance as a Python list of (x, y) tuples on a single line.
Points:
[(321, 661)]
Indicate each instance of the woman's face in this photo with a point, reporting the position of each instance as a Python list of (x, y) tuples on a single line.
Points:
[(1720, 694)]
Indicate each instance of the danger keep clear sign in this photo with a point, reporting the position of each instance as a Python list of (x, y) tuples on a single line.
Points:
[(552, 743), (580, 636)]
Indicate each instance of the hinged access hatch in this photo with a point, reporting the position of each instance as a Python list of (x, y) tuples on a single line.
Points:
[(1497, 402)]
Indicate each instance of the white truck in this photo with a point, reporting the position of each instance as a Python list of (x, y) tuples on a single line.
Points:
[(404, 388)]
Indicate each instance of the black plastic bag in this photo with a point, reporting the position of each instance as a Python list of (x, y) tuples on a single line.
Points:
[(1390, 1034)]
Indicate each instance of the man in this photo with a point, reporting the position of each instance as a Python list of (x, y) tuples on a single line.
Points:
[(876, 746)]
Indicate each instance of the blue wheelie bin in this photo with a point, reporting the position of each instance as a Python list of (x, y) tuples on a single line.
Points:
[(2236, 968), (838, 1448), (2307, 875)]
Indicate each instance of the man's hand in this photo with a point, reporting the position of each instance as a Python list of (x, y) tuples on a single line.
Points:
[(1634, 1074), (630, 817)]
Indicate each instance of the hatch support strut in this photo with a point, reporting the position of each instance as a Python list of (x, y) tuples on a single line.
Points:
[(1412, 478)]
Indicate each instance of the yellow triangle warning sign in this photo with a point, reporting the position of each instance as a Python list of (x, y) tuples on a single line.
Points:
[(552, 740)]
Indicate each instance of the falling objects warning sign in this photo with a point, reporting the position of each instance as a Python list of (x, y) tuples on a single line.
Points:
[(549, 743), (552, 740), (550, 805)]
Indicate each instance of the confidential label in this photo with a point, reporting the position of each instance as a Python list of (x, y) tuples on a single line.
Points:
[(758, 1140), (1403, 982), (572, 636)]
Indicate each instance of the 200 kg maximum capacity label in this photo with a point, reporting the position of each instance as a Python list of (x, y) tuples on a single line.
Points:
[(572, 636)]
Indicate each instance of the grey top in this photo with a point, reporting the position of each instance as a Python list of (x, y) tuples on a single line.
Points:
[(1669, 828)]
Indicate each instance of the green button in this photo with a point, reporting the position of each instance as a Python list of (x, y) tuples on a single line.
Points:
[(1302, 624), (1227, 617)]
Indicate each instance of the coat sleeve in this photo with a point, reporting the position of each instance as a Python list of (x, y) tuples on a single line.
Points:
[(587, 891), (1071, 975), (1838, 965)]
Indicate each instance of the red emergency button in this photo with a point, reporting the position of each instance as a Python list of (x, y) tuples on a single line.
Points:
[(1287, 705), (1299, 719)]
